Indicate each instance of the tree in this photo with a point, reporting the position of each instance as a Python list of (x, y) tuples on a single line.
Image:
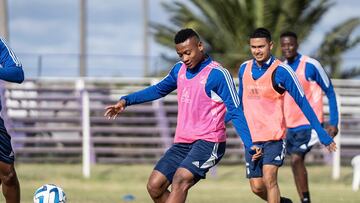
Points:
[(336, 42), (225, 25)]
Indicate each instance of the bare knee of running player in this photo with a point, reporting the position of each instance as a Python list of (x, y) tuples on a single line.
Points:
[(258, 187), (183, 180), (157, 187), (10, 183)]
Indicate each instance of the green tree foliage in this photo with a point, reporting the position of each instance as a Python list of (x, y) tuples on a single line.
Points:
[(225, 24), (336, 42)]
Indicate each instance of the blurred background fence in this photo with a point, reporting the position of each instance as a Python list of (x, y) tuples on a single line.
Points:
[(45, 118), (98, 65)]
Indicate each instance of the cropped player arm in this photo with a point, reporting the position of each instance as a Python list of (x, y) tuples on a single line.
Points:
[(317, 73), (240, 76), (11, 70), (161, 89), (241, 72), (285, 78), (220, 84)]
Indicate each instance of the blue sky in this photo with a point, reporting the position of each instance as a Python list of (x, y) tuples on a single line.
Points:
[(51, 29)]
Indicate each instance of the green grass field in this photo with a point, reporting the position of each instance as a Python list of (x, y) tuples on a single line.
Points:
[(109, 183)]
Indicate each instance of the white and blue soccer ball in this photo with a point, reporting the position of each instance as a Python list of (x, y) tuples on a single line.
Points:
[(49, 193)]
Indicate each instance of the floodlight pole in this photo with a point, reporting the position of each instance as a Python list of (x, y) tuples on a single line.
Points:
[(145, 37), (83, 34), (4, 31)]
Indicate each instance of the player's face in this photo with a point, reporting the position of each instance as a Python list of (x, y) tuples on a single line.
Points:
[(190, 52), (289, 47), (260, 49)]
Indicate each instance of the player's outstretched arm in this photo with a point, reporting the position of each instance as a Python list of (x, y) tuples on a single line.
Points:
[(220, 81), (113, 111), (287, 79), (11, 68), (331, 147), (315, 72)]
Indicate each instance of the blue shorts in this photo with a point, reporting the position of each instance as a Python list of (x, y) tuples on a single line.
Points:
[(273, 154), (6, 151), (197, 157), (299, 141)]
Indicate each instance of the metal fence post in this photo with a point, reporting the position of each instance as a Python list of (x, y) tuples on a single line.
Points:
[(85, 117), (336, 161)]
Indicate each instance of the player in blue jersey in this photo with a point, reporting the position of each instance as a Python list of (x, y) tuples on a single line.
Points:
[(10, 71), (300, 136), (263, 81), (204, 90)]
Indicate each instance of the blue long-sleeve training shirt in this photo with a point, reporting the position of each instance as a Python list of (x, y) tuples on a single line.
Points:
[(285, 78), (10, 67), (219, 82), (315, 72)]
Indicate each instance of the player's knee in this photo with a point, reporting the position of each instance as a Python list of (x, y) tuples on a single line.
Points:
[(9, 178), (154, 189), (296, 160), (182, 182), (257, 189)]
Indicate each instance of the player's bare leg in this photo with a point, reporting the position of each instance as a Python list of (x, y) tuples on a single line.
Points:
[(10, 183), (157, 187), (270, 180), (183, 180), (258, 187), (300, 175)]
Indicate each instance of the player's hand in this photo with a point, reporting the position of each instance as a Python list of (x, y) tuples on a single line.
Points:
[(332, 130), (114, 110), (257, 154), (331, 147)]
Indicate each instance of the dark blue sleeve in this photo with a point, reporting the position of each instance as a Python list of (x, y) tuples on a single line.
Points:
[(285, 77), (221, 83), (161, 89), (11, 69), (315, 72), (240, 74)]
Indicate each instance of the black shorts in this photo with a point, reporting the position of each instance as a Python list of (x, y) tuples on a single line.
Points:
[(273, 154), (197, 157), (300, 141), (6, 150)]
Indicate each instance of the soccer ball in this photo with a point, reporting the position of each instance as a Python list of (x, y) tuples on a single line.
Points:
[(49, 193)]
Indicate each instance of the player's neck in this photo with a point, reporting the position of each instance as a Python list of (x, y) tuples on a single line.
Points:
[(292, 59), (261, 63)]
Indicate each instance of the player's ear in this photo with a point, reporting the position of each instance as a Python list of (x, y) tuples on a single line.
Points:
[(271, 44), (201, 46), (296, 45)]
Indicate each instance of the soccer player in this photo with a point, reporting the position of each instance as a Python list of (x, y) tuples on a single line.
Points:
[(314, 80), (10, 71), (205, 90), (263, 81)]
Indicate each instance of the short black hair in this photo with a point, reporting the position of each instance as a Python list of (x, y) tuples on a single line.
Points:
[(185, 34), (288, 34), (261, 33)]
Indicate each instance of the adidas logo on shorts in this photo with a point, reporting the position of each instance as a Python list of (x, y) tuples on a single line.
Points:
[(11, 154), (303, 146), (196, 163)]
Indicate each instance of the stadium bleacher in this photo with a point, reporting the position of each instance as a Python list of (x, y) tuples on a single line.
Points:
[(45, 121)]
